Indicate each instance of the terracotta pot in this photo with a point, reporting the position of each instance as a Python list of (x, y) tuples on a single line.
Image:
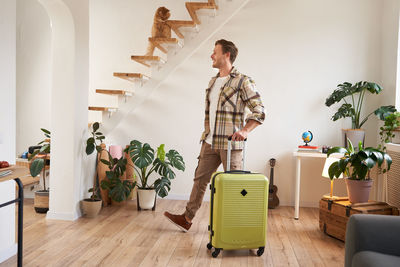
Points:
[(358, 190), (91, 207)]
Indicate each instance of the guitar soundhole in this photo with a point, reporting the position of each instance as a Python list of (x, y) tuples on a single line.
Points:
[(244, 192)]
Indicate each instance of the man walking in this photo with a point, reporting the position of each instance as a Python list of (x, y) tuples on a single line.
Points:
[(227, 96)]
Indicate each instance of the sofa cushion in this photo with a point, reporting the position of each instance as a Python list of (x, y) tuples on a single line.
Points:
[(374, 259)]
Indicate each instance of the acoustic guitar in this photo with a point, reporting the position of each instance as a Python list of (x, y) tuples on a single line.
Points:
[(273, 200)]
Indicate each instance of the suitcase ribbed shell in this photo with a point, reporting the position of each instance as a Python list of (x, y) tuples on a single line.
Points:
[(239, 210)]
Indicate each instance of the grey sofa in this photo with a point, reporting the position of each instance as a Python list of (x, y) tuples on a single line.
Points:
[(372, 240)]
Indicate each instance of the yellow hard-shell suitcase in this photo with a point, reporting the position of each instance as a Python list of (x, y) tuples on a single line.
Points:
[(238, 210)]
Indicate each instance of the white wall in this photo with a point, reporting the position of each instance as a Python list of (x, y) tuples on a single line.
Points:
[(33, 73), (296, 51), (8, 247)]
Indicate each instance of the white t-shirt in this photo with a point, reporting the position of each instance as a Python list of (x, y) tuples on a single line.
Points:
[(214, 97)]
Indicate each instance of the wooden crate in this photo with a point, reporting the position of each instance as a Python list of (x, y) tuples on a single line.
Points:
[(333, 215)]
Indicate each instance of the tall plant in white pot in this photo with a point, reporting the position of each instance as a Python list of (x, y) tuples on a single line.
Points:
[(353, 96), (146, 163)]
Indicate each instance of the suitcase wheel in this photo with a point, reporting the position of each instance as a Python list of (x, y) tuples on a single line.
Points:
[(209, 246), (216, 252), (260, 251)]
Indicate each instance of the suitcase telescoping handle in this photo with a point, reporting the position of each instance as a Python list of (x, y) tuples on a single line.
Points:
[(228, 158)]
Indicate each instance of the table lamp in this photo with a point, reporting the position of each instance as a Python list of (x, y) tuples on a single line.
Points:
[(325, 173)]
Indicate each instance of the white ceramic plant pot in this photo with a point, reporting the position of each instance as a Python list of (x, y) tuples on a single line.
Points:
[(146, 198), (355, 136)]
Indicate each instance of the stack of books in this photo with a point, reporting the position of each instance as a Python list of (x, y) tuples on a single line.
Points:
[(315, 149), (4, 173)]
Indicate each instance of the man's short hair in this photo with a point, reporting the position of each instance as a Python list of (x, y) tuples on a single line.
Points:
[(228, 46)]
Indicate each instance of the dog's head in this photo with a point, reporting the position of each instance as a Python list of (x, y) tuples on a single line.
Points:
[(162, 13)]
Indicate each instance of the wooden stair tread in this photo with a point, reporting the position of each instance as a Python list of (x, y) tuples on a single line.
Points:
[(193, 6), (176, 24), (101, 108), (146, 59), (163, 40), (129, 74), (111, 92), (157, 41), (181, 23)]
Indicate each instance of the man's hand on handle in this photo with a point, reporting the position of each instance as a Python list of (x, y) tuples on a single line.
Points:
[(242, 134)]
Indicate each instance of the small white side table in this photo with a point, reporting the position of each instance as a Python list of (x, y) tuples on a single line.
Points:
[(298, 156)]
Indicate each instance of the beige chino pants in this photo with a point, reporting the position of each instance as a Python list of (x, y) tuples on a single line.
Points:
[(209, 161)]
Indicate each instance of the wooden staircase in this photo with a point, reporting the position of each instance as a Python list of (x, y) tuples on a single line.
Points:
[(165, 45)]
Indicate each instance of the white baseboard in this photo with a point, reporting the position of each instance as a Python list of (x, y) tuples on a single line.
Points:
[(63, 216), (7, 253)]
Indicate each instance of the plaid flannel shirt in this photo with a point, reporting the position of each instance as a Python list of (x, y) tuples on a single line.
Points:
[(238, 93)]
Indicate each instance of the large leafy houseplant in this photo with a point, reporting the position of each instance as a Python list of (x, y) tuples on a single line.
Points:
[(353, 97), (119, 189), (357, 165), (38, 162), (146, 162), (94, 143)]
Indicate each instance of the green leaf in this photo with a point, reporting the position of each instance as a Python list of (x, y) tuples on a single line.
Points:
[(161, 152), (388, 160), (384, 111), (350, 145), (105, 162), (33, 154), (90, 148), (96, 126), (162, 186), (336, 149), (45, 131), (90, 140), (142, 156), (346, 110), (36, 167), (370, 163), (99, 149), (176, 160), (163, 169)]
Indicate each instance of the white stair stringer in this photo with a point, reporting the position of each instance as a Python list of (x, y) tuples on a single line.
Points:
[(224, 15)]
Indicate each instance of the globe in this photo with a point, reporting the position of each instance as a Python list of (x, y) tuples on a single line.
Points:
[(307, 137)]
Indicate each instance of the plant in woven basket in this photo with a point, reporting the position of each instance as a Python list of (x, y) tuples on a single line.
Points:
[(39, 157)]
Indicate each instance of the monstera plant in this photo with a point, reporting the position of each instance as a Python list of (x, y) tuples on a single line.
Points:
[(146, 162), (353, 96)]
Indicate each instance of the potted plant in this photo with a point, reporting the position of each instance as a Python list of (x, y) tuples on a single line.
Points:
[(391, 123), (40, 158), (353, 97), (356, 167), (119, 189), (92, 206), (145, 163)]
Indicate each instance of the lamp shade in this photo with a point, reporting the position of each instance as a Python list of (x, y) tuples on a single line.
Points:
[(328, 163)]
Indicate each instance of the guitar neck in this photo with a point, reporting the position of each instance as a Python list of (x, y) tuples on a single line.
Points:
[(271, 177)]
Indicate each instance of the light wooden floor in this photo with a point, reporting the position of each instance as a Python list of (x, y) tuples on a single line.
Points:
[(122, 236)]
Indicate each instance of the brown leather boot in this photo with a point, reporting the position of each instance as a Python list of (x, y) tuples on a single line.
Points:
[(178, 220)]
